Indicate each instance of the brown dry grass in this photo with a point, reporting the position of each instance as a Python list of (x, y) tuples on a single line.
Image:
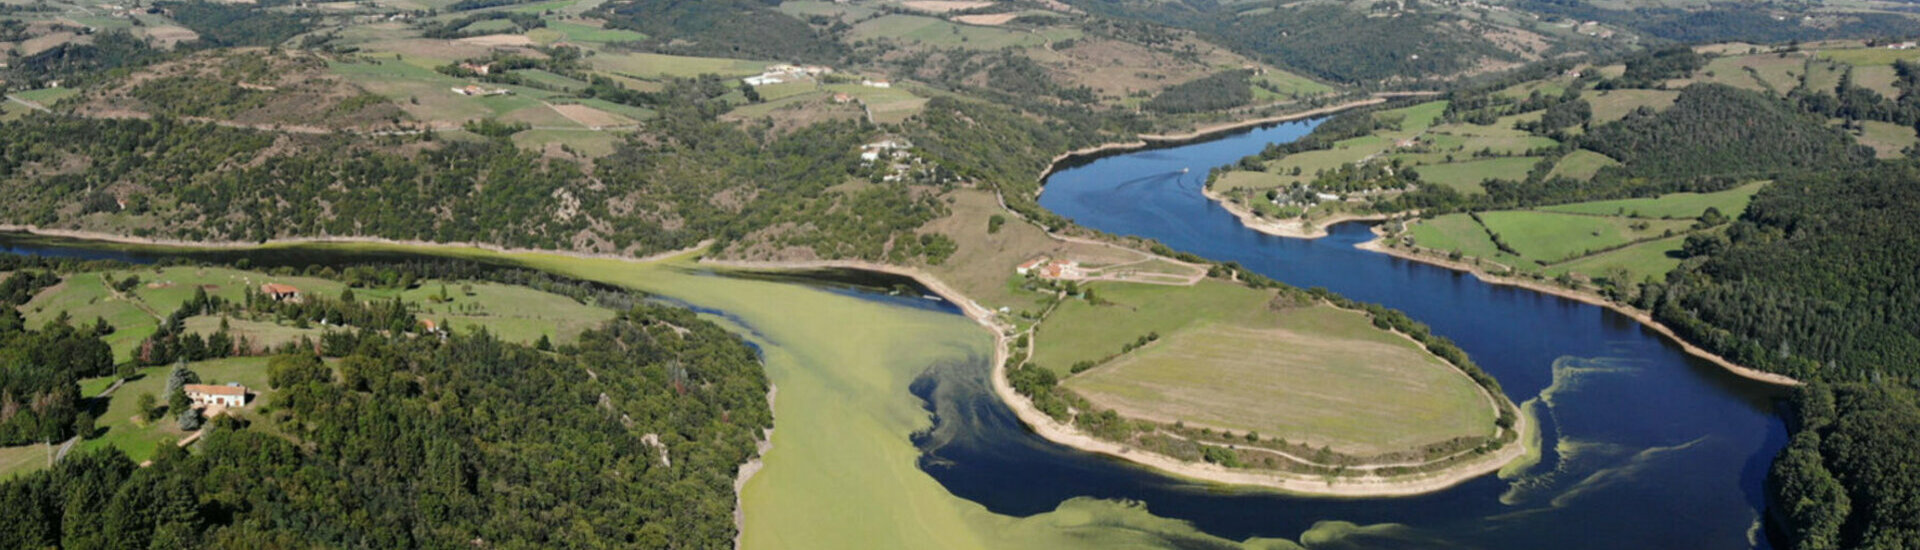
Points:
[(988, 20), (591, 117), (985, 261), (498, 40)]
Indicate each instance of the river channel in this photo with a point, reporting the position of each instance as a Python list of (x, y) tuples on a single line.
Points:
[(1644, 445)]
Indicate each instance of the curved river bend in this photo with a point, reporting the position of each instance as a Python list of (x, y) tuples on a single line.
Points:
[(1644, 445)]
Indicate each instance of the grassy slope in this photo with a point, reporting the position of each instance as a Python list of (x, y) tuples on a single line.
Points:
[(1466, 176), (1078, 331), (1581, 165), (1676, 205), (1552, 237)]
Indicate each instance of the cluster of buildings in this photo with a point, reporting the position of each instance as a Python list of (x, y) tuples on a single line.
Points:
[(1048, 268), (775, 74)]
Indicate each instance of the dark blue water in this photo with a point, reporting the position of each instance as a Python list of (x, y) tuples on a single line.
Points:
[(1646, 447)]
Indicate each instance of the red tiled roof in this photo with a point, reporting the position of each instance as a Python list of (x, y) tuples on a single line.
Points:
[(277, 288)]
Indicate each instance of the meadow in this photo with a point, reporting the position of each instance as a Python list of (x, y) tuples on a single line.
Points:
[(1674, 205), (1080, 331), (1297, 375), (1612, 105), (1548, 237), (1581, 165), (1467, 176)]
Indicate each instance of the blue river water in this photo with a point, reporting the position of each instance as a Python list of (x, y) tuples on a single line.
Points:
[(1645, 446)]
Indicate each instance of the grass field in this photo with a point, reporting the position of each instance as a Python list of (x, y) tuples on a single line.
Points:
[(1887, 140), (1754, 72), (1651, 259), (573, 31), (1466, 176), (653, 65), (1418, 118), (1289, 85), (1612, 105), (1676, 205), (1552, 237), (123, 429), (46, 96), (428, 95), (1879, 78), (934, 32), (1865, 57), (1297, 377), (1458, 232), (514, 313), (85, 297), (1079, 331), (1581, 165)]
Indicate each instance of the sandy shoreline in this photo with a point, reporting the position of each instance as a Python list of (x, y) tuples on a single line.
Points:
[(1058, 432), (1150, 140), (1645, 319)]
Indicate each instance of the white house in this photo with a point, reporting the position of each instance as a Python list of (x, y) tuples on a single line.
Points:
[(232, 395), (876, 84)]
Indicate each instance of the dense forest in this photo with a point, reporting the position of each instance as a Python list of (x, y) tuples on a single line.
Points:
[(1710, 22), (1820, 279), (1719, 130), (239, 24), (650, 195), (1332, 42), (748, 29), (412, 442), (1846, 479), (39, 397), (1217, 91)]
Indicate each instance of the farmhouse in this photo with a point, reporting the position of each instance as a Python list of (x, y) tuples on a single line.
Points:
[(1029, 265), (231, 395), (842, 97), (280, 292), (876, 84), (1061, 269)]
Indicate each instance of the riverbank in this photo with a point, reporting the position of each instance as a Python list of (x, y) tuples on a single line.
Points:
[(1157, 140), (1055, 431), (1378, 244), (1296, 228)]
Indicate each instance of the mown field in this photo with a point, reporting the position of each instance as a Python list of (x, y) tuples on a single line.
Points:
[(1080, 331), (1318, 375)]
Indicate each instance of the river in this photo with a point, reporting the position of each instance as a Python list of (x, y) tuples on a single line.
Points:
[(1645, 446)]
